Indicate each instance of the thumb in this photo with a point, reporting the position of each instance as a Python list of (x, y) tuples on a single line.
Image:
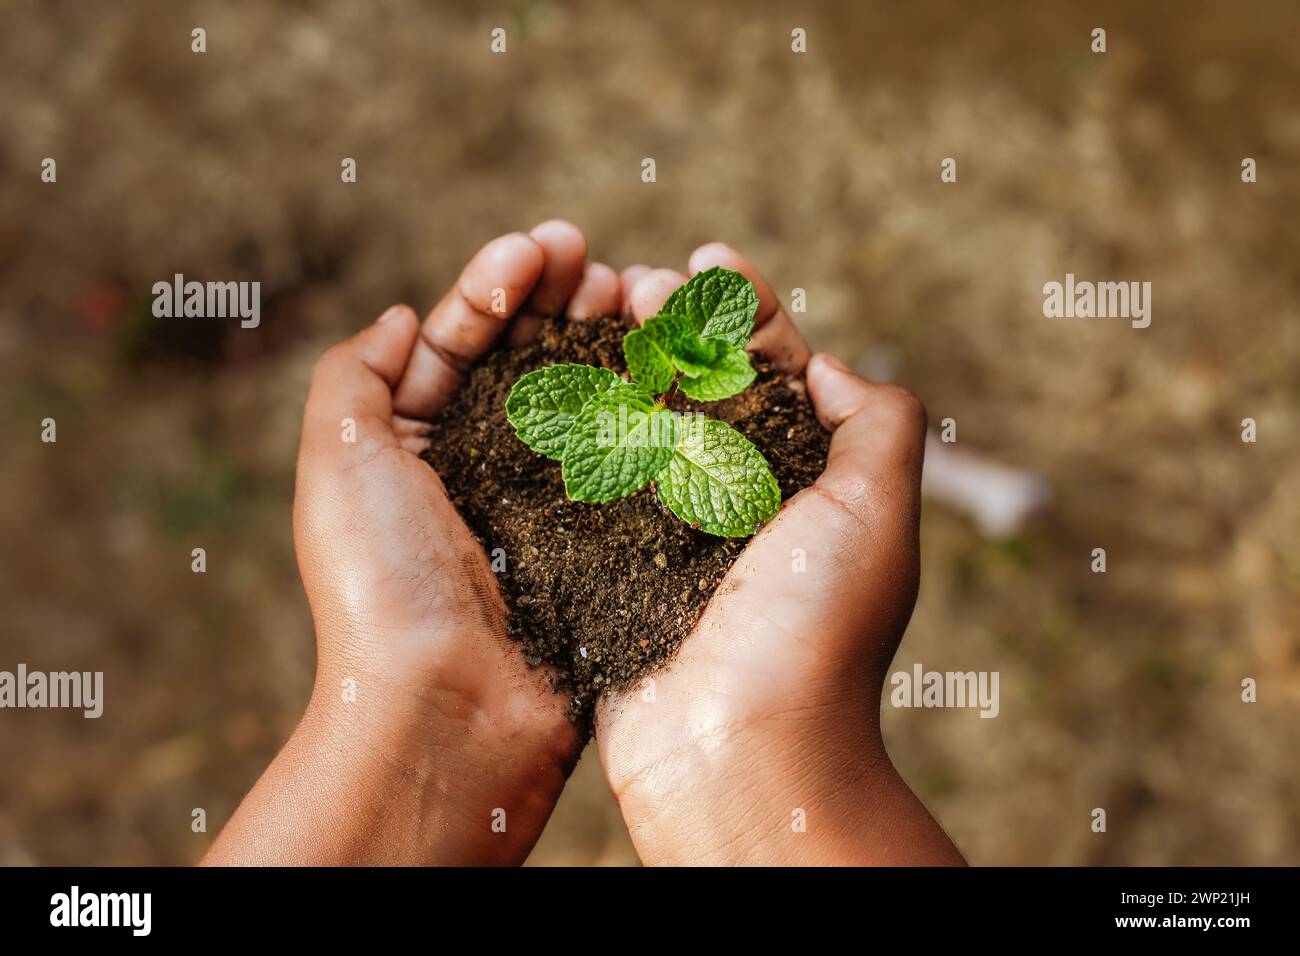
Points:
[(841, 559), (865, 508), (353, 383), (873, 471)]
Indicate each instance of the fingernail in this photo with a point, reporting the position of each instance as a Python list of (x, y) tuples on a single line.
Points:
[(834, 362), (392, 313)]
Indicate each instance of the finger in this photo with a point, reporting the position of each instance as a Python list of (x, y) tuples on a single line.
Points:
[(564, 250), (864, 511), (855, 529), (627, 280), (651, 290), (877, 442), (412, 434), (350, 403), (599, 294), (775, 334), (467, 322)]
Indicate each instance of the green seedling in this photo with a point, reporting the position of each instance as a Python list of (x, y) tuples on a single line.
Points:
[(612, 436)]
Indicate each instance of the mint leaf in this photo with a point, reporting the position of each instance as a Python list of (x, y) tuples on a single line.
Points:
[(620, 440), (718, 481), (649, 350), (667, 344), (699, 332), (543, 404), (730, 376), (719, 303), (695, 356)]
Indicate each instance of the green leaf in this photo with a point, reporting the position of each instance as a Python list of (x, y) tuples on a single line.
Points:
[(718, 481), (543, 404), (619, 441), (730, 376), (649, 350), (667, 344), (695, 356), (719, 303)]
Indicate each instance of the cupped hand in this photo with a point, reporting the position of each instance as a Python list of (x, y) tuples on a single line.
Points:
[(760, 741), (428, 738)]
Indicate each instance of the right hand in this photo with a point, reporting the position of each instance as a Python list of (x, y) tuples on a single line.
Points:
[(770, 711)]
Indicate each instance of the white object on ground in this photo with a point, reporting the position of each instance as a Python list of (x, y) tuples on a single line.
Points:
[(998, 497)]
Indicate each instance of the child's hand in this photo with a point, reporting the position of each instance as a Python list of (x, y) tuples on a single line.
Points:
[(768, 719), (427, 732)]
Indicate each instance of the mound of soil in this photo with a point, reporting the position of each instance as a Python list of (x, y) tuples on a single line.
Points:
[(604, 593)]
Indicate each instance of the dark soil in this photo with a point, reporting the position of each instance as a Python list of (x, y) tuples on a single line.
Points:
[(604, 593)]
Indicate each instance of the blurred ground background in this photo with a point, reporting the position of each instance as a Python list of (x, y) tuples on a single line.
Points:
[(1118, 691)]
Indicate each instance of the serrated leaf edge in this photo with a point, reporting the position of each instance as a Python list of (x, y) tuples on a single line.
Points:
[(617, 380), (767, 469)]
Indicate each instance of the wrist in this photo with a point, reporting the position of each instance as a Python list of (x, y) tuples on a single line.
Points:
[(760, 809), (762, 798), (432, 776), (878, 824), (391, 773)]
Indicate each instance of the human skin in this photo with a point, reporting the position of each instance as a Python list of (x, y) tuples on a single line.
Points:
[(770, 707), (449, 725), (760, 742)]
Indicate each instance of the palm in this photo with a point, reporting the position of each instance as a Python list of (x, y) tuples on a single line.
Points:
[(771, 639), (793, 646), (404, 599), (408, 573)]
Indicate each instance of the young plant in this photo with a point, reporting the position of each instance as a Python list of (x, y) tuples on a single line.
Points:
[(612, 436)]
